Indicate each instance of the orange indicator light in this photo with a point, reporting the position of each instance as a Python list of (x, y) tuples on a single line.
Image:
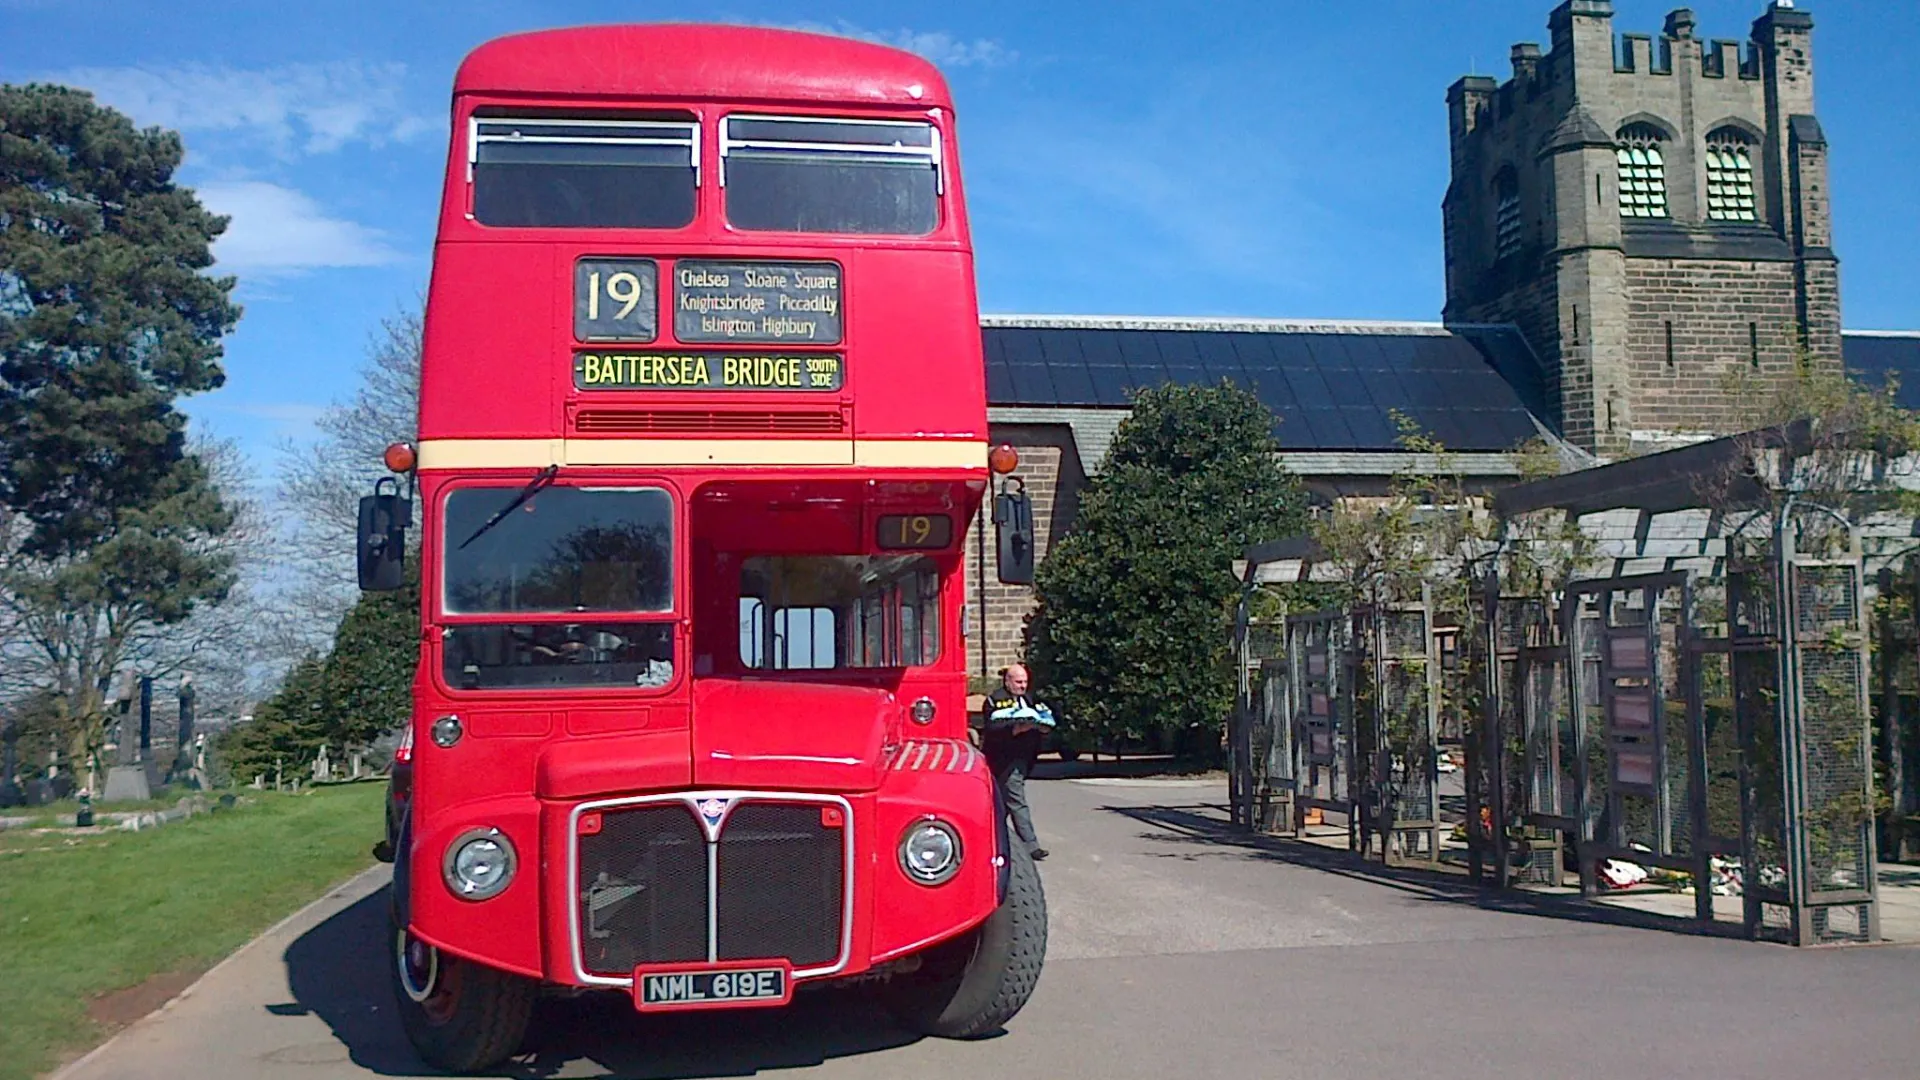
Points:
[(399, 457)]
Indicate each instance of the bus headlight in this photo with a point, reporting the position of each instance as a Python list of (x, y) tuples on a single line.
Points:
[(923, 711), (446, 731), (930, 851), (479, 864)]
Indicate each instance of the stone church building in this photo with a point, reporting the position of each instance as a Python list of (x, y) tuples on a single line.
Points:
[(1631, 219)]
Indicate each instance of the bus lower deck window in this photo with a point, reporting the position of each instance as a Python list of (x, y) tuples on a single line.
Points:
[(823, 175), (584, 173), (527, 655), (820, 612)]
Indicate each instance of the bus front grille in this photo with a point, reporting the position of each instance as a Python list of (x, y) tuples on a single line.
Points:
[(779, 873), (780, 870), (643, 890)]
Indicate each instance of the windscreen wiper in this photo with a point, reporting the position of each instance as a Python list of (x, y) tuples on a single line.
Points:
[(546, 477)]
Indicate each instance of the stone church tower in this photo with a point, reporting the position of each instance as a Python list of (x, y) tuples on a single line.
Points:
[(1652, 213)]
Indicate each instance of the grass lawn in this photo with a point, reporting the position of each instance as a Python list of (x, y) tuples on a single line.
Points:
[(81, 917)]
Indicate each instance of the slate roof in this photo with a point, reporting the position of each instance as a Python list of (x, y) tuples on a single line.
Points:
[(1871, 356), (1332, 385)]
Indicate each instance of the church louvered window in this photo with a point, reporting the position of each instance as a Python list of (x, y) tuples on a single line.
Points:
[(1506, 214), (1730, 176), (1643, 171)]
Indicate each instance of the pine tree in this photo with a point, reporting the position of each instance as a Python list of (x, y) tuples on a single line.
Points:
[(105, 316), (369, 673), (109, 525)]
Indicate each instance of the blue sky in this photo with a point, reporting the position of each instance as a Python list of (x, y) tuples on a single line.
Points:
[(1236, 158)]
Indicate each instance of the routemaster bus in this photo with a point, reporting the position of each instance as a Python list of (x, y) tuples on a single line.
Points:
[(702, 427)]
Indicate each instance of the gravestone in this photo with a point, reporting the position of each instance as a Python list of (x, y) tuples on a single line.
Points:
[(197, 776), (184, 741), (11, 794), (126, 780), (146, 718)]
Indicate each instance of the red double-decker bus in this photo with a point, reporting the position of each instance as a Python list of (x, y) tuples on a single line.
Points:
[(702, 425)]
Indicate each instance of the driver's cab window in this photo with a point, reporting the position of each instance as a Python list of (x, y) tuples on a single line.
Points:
[(820, 612)]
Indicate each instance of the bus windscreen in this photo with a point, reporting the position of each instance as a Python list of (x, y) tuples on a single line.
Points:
[(584, 173), (563, 550), (807, 174)]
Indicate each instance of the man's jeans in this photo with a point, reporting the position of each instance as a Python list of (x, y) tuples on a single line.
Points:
[(1012, 778)]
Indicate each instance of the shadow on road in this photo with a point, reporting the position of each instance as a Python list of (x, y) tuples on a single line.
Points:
[(338, 972), (1162, 766), (1206, 825)]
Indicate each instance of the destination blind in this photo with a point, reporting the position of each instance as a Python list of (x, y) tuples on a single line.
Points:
[(599, 370), (770, 302)]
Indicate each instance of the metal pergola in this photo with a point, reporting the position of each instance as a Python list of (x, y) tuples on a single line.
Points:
[(1722, 654)]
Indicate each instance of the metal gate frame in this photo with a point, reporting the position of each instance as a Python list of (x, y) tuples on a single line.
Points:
[(1635, 729), (1401, 800), (1320, 705)]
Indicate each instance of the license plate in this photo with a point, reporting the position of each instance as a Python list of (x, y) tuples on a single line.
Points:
[(709, 987)]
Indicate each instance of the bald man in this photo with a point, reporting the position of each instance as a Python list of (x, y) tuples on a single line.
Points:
[(1011, 740)]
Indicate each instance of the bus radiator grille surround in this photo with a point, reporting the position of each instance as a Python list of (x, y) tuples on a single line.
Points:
[(643, 890), (779, 871), (780, 875)]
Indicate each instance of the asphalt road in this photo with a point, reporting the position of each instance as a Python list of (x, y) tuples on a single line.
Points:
[(1177, 950)]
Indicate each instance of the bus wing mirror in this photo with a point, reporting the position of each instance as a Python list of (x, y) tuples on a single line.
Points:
[(1013, 531), (381, 549)]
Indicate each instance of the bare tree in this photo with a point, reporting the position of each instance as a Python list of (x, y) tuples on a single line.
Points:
[(226, 648), (320, 483)]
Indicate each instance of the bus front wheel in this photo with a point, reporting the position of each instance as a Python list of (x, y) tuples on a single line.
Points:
[(971, 986), (460, 1016)]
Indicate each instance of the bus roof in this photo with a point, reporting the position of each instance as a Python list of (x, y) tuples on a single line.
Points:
[(686, 61)]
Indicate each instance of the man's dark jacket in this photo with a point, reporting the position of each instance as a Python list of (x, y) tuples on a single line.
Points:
[(997, 739)]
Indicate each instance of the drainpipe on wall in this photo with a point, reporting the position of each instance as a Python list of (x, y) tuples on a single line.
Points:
[(980, 579)]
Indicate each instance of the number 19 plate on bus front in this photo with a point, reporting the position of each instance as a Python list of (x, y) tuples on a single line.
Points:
[(711, 986)]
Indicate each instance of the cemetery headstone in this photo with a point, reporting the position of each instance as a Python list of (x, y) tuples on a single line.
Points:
[(11, 793), (126, 780), (184, 740)]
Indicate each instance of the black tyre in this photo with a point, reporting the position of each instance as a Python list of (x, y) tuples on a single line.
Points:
[(971, 986), (460, 1016)]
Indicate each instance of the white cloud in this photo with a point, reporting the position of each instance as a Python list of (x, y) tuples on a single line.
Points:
[(279, 230), (938, 46), (289, 413), (944, 49), (310, 108)]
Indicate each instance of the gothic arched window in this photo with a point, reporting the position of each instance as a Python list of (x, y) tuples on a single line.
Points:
[(1730, 176), (1643, 171), (1506, 214)]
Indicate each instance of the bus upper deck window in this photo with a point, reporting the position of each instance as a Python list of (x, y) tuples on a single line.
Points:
[(610, 174), (824, 175)]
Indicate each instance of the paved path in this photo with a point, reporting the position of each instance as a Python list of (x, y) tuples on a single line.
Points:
[(1176, 952)]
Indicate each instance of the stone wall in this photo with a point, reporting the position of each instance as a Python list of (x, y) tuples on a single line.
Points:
[(1693, 323), (996, 613)]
